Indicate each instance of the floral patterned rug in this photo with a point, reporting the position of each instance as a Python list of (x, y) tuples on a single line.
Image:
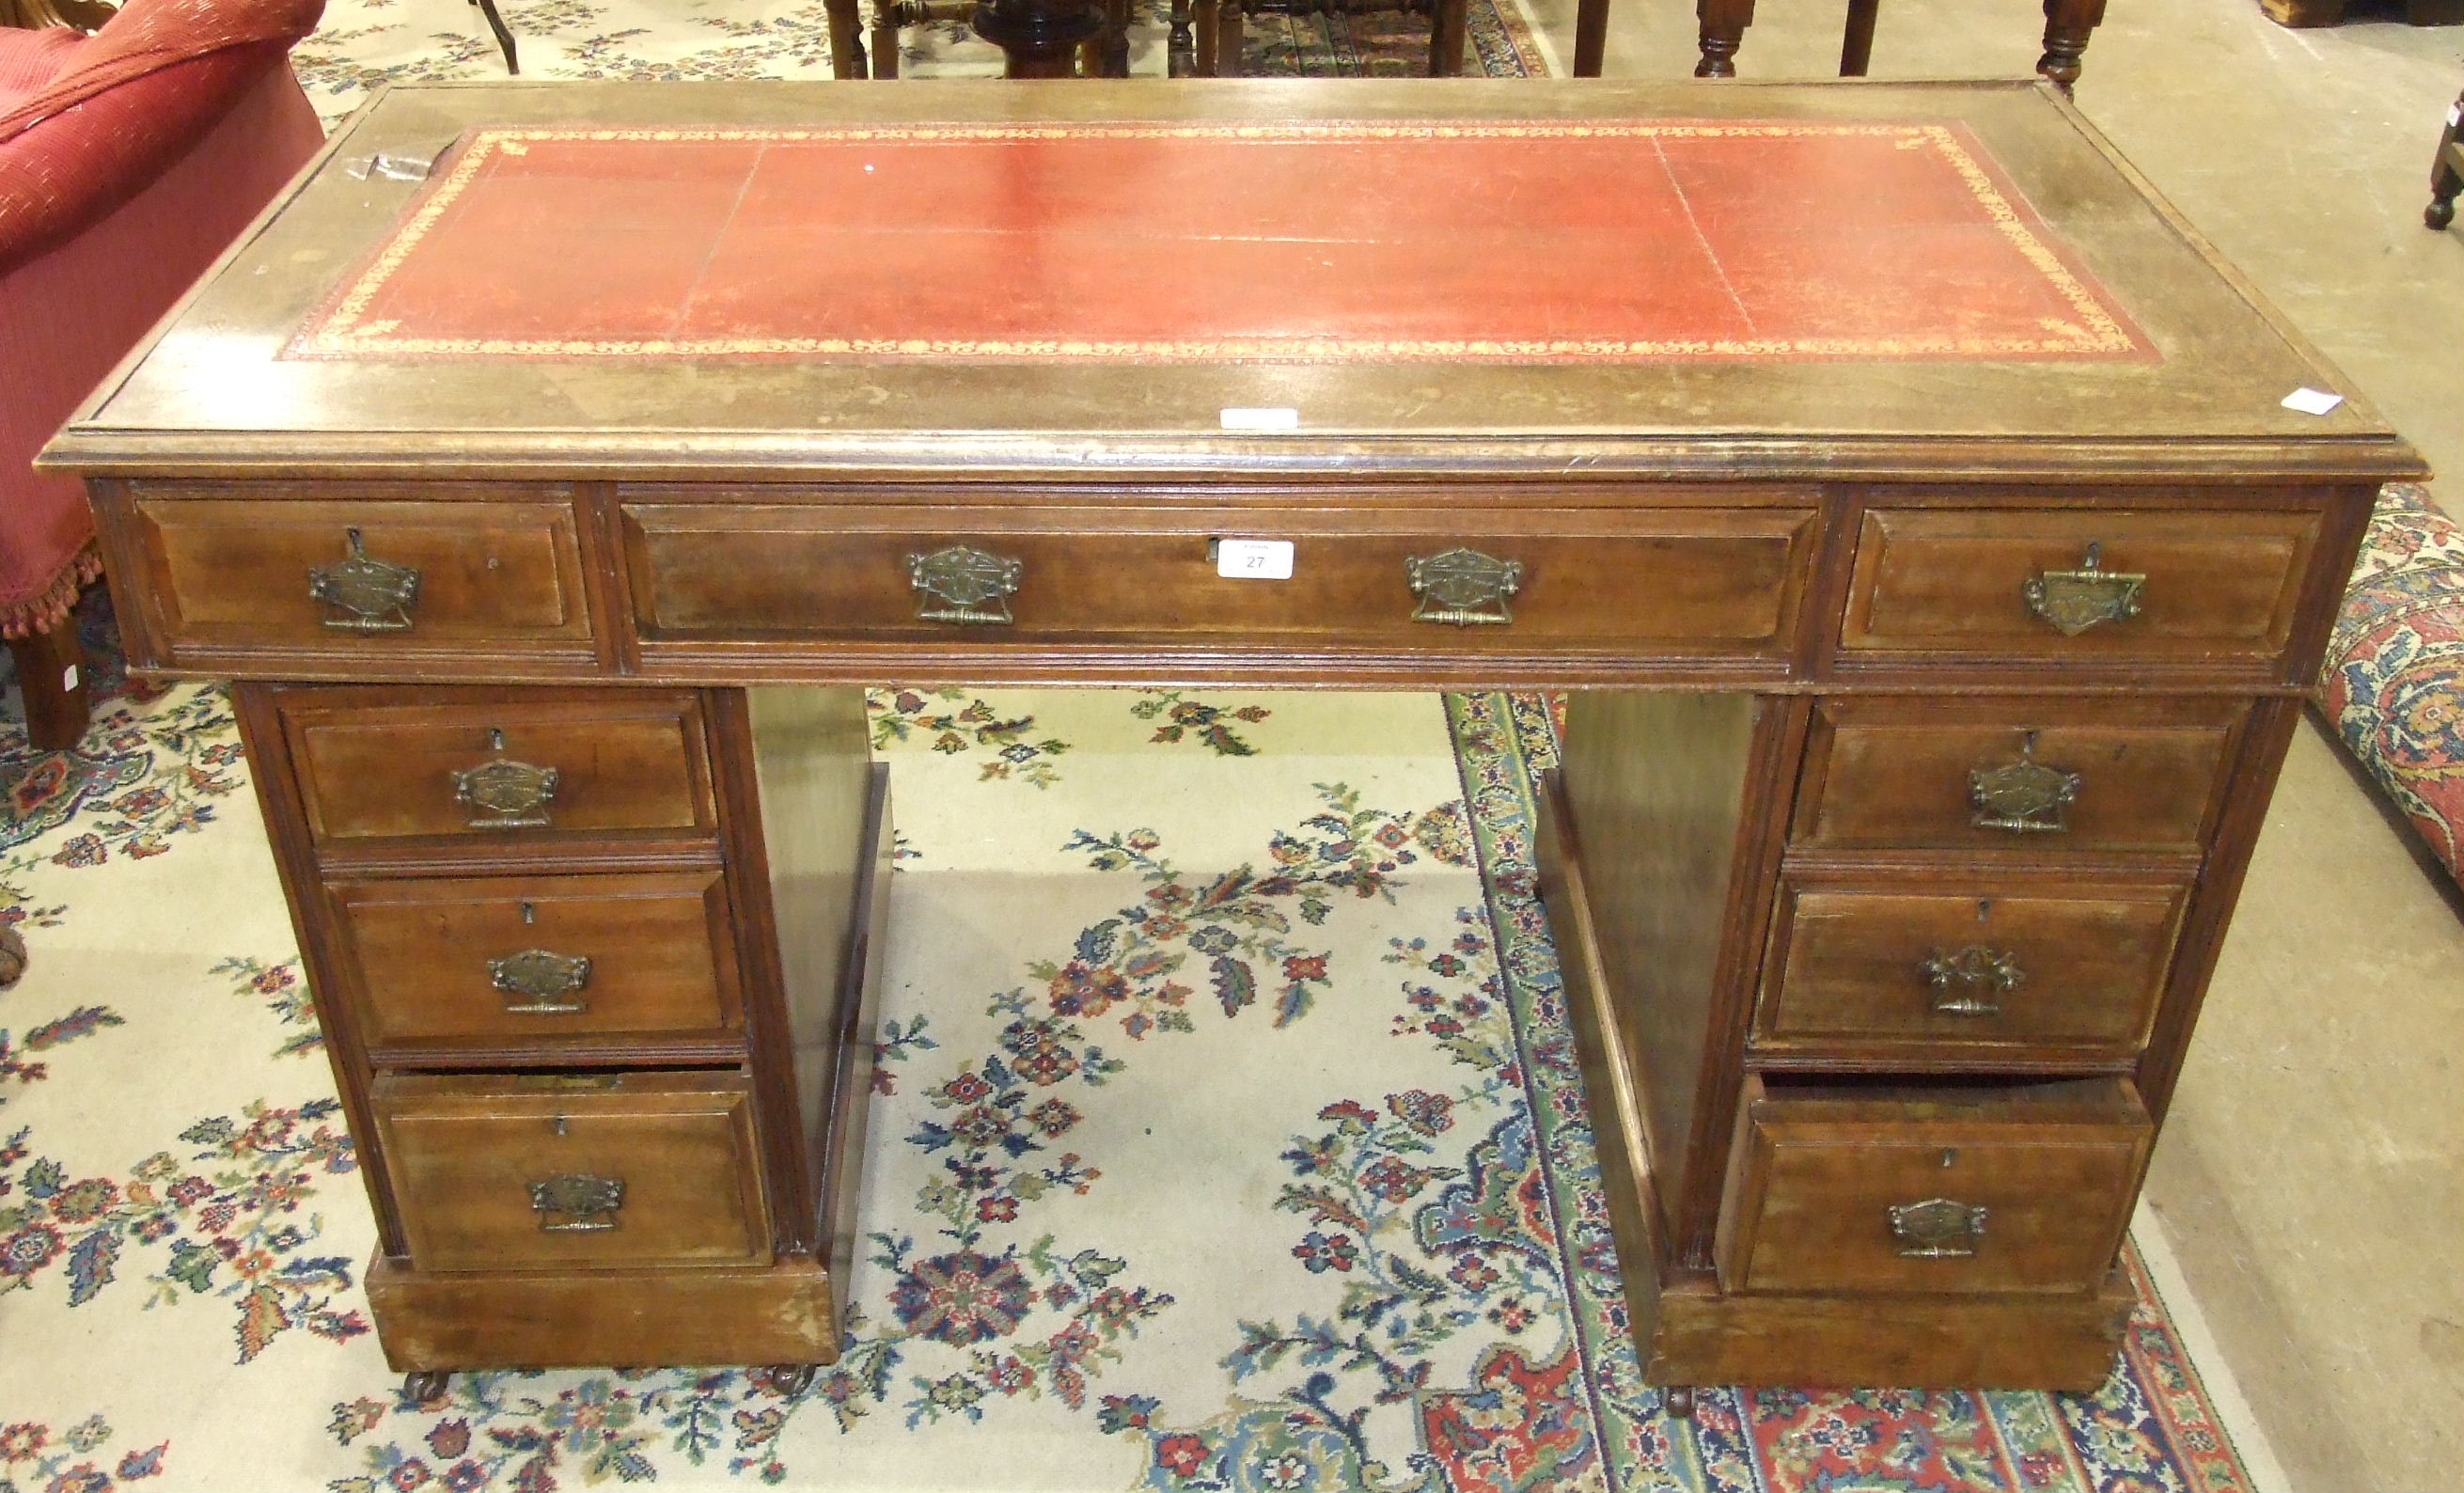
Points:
[(1228, 1137), (364, 43)]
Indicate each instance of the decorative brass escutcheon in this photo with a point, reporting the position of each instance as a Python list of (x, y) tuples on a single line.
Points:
[(1970, 981), (2025, 797), (962, 580), (576, 1202), (1462, 587), (2071, 602), (1937, 1228), (540, 983), (368, 595), (506, 794)]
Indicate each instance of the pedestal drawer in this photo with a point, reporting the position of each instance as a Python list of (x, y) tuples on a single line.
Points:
[(574, 1170), (538, 959), (2211, 585), (347, 574), (1941, 969), (2042, 776), (2022, 1188), (528, 765)]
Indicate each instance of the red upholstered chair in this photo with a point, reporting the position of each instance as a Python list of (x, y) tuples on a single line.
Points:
[(128, 161)]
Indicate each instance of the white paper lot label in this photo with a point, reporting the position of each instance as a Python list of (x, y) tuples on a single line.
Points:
[(1254, 559)]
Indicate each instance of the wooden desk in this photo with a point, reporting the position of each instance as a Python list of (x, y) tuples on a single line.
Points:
[(1905, 494)]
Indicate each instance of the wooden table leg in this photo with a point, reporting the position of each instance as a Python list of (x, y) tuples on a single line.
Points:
[(1180, 51), (1591, 37), (2068, 25), (1723, 30), (1446, 39), (51, 678), (884, 38), (1856, 42), (1227, 38)]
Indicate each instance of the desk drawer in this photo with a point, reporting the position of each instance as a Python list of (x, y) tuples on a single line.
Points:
[(528, 766), (2024, 1187), (531, 1172), (2045, 776), (529, 959), (1718, 580), (1934, 971), (2055, 584), (367, 577)]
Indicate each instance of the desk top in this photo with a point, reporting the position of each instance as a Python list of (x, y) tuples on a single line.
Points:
[(1085, 277)]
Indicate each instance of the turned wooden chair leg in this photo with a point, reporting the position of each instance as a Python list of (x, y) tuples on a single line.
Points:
[(2068, 25), (847, 39), (1180, 52), (1857, 44), (1446, 35), (51, 678), (1724, 24), (2446, 170), (504, 38), (1591, 37)]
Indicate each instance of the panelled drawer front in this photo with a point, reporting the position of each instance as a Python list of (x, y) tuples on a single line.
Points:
[(2221, 585), (1718, 580), (482, 574), (2043, 777), (621, 762), (1933, 970), (539, 958), (1957, 1191), (530, 1173)]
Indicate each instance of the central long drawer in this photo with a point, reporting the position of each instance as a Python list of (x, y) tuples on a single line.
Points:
[(1714, 580)]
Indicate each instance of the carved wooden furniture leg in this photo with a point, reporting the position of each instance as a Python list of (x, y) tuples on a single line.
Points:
[(1039, 38), (504, 38), (1227, 38), (1116, 39), (1446, 39), (1591, 37), (1180, 52), (50, 679), (884, 38), (2068, 25), (2446, 170), (1856, 43), (847, 39), (1724, 24)]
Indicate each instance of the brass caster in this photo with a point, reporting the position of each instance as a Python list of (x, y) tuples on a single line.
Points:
[(420, 1386)]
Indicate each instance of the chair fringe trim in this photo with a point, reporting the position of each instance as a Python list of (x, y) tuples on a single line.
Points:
[(44, 609)]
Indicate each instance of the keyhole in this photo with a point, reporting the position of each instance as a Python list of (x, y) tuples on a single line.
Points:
[(495, 739), (530, 914), (1984, 908), (2094, 554), (2028, 743), (1948, 1156), (560, 1130)]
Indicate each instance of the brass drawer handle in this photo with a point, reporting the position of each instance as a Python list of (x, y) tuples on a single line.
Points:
[(1970, 981), (576, 1202), (1462, 587), (2071, 602), (2025, 797), (368, 594), (956, 585), (536, 982), (506, 794), (1937, 1228)]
